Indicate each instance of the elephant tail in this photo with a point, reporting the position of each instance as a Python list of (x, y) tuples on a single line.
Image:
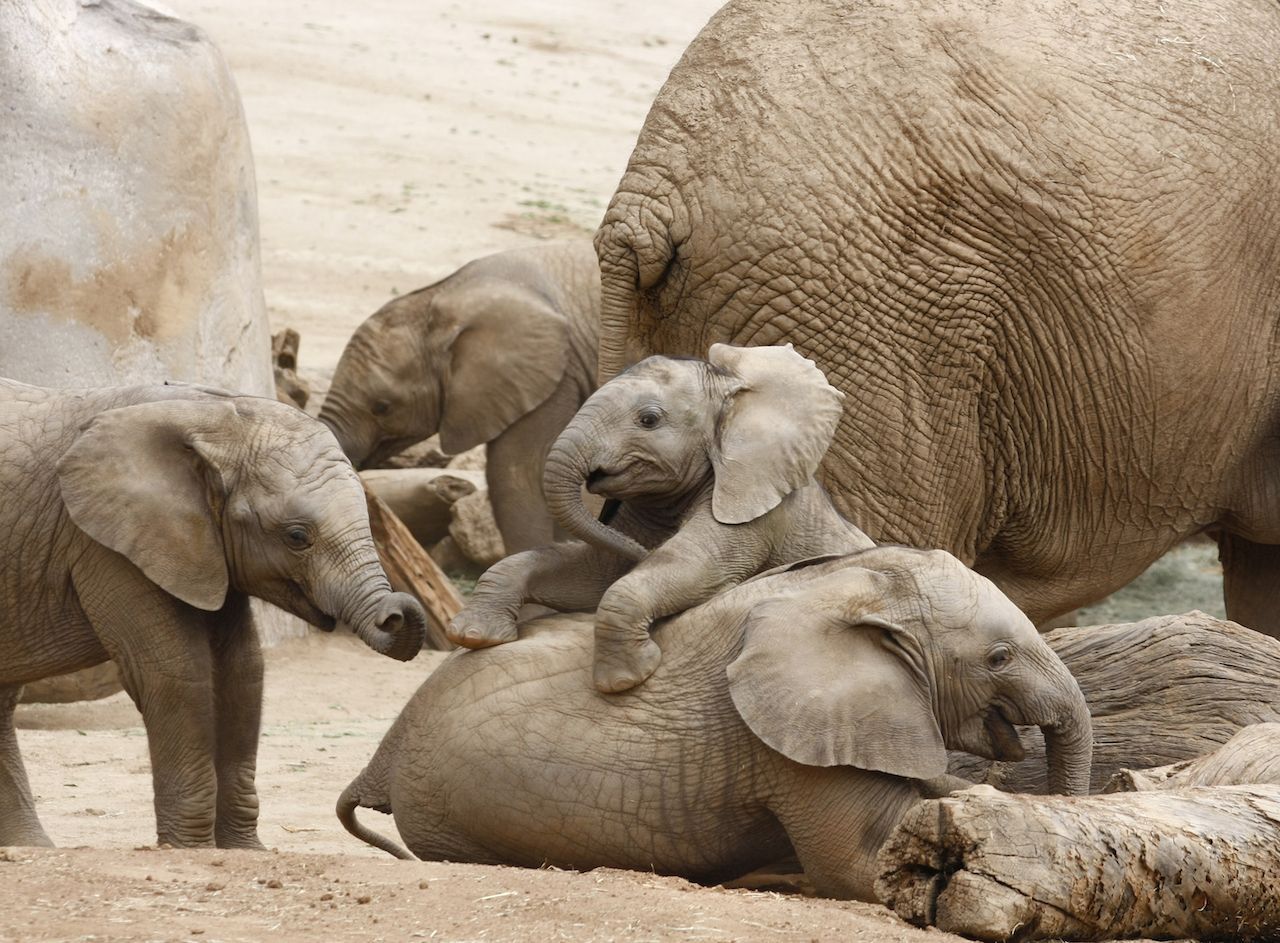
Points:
[(352, 798)]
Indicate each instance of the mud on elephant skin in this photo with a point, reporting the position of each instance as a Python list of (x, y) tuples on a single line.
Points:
[(802, 709), (711, 463), (137, 521), (1057, 345), (502, 352)]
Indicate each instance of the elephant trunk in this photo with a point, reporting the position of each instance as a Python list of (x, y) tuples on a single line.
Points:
[(568, 466), (355, 443), (392, 624), (1068, 741), (396, 628)]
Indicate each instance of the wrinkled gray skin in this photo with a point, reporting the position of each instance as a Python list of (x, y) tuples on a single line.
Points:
[(712, 463), (502, 352), (809, 708), (135, 524), (1036, 242)]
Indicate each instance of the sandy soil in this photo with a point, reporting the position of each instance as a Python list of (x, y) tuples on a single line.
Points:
[(394, 140)]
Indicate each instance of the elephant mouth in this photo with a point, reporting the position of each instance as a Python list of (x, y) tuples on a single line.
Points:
[(599, 481), (1006, 746), (304, 609)]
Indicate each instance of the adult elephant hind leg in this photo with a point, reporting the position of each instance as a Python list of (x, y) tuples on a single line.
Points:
[(162, 648), (237, 682), (18, 822), (1251, 582)]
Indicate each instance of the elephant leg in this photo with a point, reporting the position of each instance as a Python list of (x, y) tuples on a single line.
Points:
[(237, 681), (18, 822), (837, 818), (695, 564), (162, 648), (1251, 582), (566, 577)]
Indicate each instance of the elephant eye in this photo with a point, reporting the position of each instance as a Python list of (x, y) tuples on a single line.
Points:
[(649, 418), (999, 657), (381, 407), (297, 537)]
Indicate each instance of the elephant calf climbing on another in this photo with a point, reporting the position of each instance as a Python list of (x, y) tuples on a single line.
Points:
[(803, 709), (710, 465), (502, 352), (135, 522)]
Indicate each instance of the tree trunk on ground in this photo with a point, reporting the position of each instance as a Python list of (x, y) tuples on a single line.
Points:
[(1201, 863), (1160, 691), (1251, 756), (423, 498), (411, 570)]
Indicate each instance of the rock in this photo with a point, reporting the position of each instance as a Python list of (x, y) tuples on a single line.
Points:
[(129, 244), (423, 497), (475, 531)]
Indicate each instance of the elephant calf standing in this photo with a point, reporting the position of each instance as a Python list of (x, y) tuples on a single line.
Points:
[(801, 709), (502, 352), (135, 522)]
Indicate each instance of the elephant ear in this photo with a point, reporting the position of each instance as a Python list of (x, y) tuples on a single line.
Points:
[(775, 428), (825, 679), (507, 358), (138, 480)]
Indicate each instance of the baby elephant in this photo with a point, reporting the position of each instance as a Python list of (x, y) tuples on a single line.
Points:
[(134, 525), (711, 463), (502, 352), (808, 708)]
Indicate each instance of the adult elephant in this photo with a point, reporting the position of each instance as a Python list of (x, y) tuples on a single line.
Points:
[(1035, 242)]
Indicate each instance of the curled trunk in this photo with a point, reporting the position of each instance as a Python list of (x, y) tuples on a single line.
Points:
[(1068, 741), (568, 466)]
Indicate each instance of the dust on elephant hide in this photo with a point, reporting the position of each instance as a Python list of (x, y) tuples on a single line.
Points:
[(1034, 242), (802, 708), (501, 352), (138, 522)]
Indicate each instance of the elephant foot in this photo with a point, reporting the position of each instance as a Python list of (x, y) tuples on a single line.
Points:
[(622, 668), (24, 837), (248, 842), (477, 628)]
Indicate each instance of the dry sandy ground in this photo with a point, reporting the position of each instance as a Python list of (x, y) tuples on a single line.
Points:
[(395, 140)]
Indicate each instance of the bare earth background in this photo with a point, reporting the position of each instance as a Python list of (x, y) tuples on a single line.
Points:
[(395, 140)]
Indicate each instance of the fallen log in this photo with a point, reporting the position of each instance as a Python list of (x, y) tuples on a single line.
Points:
[(1201, 863), (1160, 691), (411, 570), (1251, 756)]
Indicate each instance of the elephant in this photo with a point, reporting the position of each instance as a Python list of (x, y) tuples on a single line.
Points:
[(708, 462), (503, 352), (808, 708), (136, 523), (1035, 242)]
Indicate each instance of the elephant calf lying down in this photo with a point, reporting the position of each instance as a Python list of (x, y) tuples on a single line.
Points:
[(800, 709)]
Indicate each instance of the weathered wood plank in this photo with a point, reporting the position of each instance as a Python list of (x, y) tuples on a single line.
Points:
[(412, 571)]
